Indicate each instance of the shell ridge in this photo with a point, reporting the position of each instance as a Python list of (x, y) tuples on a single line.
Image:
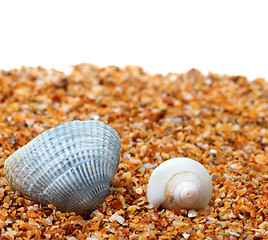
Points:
[(63, 162), (48, 155), (93, 178), (81, 206), (66, 188)]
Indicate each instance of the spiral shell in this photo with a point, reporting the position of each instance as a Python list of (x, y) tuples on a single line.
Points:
[(180, 183), (70, 165)]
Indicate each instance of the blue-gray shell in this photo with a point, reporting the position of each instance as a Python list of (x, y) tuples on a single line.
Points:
[(70, 165)]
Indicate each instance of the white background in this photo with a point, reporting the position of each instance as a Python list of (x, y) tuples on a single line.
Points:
[(161, 36)]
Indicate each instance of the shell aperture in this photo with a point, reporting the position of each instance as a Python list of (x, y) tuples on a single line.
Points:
[(70, 165)]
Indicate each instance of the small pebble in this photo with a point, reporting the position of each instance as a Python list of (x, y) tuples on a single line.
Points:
[(192, 213)]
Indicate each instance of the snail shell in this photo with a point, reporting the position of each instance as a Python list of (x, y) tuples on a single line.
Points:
[(180, 183), (70, 165)]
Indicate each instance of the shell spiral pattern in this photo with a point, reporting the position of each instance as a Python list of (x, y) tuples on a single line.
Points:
[(70, 165), (180, 183)]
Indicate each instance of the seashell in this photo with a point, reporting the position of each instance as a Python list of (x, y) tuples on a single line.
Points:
[(180, 183), (70, 165)]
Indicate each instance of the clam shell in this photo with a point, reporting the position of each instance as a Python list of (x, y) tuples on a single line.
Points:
[(70, 165)]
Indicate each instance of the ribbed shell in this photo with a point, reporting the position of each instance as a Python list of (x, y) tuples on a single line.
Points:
[(70, 165)]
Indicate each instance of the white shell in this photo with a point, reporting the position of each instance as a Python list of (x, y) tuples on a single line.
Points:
[(180, 183), (70, 165)]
